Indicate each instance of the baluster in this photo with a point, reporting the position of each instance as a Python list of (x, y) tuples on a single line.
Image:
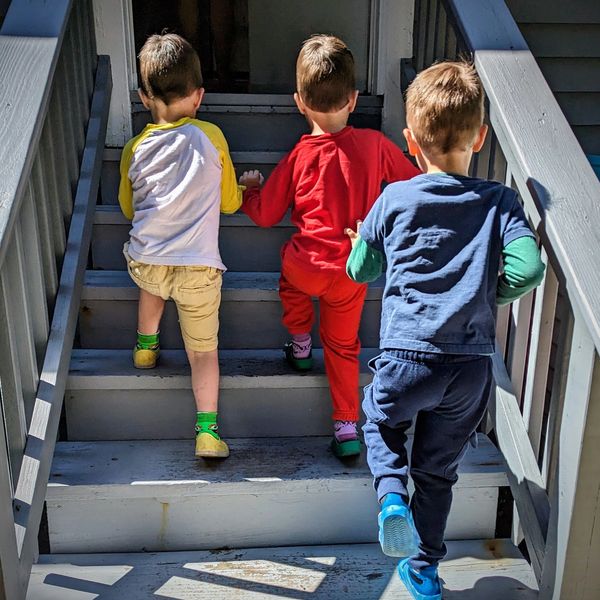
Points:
[(432, 20), (542, 331), (422, 37), (441, 32), (10, 379), (79, 46), (451, 44), (35, 288), (20, 314), (49, 228), (87, 36)]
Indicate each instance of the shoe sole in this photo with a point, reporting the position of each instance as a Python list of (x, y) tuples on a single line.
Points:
[(144, 367), (346, 449), (397, 536), (404, 577), (209, 454)]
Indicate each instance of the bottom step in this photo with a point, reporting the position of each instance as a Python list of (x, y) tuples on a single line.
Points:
[(478, 569)]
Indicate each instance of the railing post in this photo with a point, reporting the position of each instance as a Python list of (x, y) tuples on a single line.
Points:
[(573, 542)]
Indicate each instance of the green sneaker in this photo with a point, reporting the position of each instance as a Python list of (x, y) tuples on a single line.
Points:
[(345, 441), (299, 364)]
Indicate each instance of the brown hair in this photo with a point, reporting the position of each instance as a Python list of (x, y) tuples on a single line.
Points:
[(169, 67), (444, 106), (325, 73)]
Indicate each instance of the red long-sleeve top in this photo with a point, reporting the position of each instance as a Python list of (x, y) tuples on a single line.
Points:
[(330, 181)]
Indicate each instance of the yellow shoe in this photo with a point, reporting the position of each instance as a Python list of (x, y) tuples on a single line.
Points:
[(208, 446), (145, 359)]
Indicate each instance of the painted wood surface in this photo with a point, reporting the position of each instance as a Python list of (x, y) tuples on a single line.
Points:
[(473, 570)]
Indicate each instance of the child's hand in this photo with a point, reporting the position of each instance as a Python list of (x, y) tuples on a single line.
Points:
[(353, 235), (252, 179)]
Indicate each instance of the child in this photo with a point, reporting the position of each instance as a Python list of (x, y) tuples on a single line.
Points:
[(330, 179), (175, 177), (442, 236)]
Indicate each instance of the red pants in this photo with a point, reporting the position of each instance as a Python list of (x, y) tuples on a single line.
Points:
[(340, 306)]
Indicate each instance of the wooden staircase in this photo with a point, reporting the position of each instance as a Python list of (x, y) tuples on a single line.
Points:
[(282, 517)]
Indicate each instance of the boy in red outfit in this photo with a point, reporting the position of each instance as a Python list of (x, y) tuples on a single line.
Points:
[(330, 180)]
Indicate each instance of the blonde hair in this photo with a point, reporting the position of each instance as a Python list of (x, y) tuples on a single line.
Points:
[(169, 67), (325, 73), (445, 106)]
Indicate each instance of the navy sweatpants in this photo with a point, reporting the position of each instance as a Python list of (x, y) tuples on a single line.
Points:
[(448, 396)]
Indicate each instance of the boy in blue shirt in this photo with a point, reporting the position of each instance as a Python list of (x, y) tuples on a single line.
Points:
[(440, 238)]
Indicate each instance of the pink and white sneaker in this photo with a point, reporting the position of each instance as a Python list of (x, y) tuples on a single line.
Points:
[(345, 439)]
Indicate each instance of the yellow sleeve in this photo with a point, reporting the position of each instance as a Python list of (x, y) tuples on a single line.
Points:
[(231, 192), (125, 191)]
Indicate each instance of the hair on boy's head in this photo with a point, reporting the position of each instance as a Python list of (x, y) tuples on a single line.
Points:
[(444, 106), (325, 73), (169, 67)]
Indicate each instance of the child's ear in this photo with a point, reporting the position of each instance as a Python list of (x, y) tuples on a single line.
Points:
[(198, 96), (299, 103), (413, 147), (352, 101), (480, 140), (145, 100)]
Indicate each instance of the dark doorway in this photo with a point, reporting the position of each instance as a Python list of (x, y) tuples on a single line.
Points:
[(218, 30)]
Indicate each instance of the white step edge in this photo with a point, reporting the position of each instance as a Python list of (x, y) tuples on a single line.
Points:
[(253, 287), (110, 214), (473, 569), (155, 496), (123, 469), (93, 369)]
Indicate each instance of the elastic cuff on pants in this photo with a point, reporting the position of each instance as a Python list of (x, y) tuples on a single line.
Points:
[(390, 485), (345, 415)]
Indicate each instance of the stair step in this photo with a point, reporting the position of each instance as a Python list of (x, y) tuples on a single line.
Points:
[(239, 238), (154, 496), (475, 569), (250, 313), (260, 396), (263, 121), (263, 160)]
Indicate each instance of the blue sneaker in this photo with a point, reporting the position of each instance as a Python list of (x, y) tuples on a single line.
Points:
[(397, 533), (422, 585)]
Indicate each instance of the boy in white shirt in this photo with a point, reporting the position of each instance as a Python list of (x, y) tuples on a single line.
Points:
[(176, 178)]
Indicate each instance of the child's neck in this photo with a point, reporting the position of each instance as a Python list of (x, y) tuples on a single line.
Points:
[(327, 122), (163, 113), (456, 162)]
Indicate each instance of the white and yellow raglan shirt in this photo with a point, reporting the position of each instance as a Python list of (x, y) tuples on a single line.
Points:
[(175, 180)]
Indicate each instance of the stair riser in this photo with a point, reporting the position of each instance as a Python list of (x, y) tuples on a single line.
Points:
[(170, 414), (249, 324), (174, 519), (242, 248), (275, 131)]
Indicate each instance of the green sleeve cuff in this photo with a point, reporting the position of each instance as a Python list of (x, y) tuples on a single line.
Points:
[(523, 270), (364, 263)]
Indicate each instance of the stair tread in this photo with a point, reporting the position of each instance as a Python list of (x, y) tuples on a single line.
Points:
[(113, 369), (110, 214), (262, 465), (475, 569), (257, 286)]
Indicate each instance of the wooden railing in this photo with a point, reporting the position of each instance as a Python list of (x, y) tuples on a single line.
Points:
[(546, 412), (54, 95)]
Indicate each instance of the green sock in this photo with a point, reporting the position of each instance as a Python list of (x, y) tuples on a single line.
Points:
[(147, 341), (206, 422)]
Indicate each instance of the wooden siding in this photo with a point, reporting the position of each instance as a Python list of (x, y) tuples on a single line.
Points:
[(565, 39)]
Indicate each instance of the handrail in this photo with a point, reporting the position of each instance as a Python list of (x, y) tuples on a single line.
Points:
[(546, 409), (54, 99)]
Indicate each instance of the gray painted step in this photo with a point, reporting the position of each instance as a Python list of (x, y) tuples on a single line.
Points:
[(263, 121), (239, 240), (250, 313), (107, 399), (264, 161), (472, 570), (154, 496)]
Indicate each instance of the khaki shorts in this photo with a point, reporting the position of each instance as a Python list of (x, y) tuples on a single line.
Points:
[(196, 292)]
